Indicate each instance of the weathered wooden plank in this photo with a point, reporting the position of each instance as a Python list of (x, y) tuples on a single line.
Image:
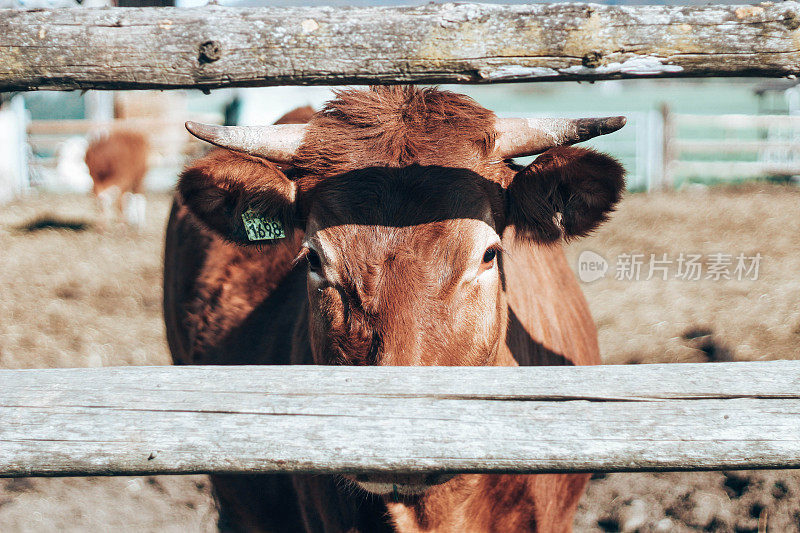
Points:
[(149, 420), (215, 46)]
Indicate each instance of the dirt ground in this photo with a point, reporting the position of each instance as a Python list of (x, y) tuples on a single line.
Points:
[(77, 296)]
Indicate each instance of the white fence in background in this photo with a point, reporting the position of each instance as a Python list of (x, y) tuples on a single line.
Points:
[(659, 149), (13, 150), (729, 147)]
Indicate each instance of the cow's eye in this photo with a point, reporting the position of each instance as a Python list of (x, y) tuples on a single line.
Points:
[(490, 254), (314, 262)]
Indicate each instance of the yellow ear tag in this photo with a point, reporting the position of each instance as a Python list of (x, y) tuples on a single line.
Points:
[(260, 228)]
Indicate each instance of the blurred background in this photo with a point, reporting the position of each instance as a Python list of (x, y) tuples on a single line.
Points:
[(712, 169), (678, 133)]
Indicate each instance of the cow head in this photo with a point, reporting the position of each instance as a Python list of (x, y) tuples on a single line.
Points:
[(398, 198)]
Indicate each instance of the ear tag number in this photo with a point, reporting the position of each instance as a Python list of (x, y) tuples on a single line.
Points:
[(260, 228)]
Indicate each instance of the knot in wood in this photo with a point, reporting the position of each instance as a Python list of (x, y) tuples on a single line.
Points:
[(791, 20), (210, 51), (591, 59)]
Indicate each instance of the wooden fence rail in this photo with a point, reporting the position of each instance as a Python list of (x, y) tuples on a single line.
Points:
[(775, 152), (211, 47), (155, 420)]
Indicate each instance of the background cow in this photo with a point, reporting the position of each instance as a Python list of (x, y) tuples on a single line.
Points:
[(117, 163), (402, 235), (301, 115)]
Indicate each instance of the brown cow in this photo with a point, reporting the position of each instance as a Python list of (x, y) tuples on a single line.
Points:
[(117, 163), (421, 244), (301, 115)]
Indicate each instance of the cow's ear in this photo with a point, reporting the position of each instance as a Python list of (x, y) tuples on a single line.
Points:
[(245, 199), (566, 192)]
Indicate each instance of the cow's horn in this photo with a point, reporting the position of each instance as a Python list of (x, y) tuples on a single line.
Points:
[(277, 143), (518, 137)]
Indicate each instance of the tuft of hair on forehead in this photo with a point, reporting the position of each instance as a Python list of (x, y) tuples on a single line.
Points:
[(395, 126)]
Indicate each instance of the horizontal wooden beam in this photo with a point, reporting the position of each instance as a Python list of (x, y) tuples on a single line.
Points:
[(213, 46), (156, 420)]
